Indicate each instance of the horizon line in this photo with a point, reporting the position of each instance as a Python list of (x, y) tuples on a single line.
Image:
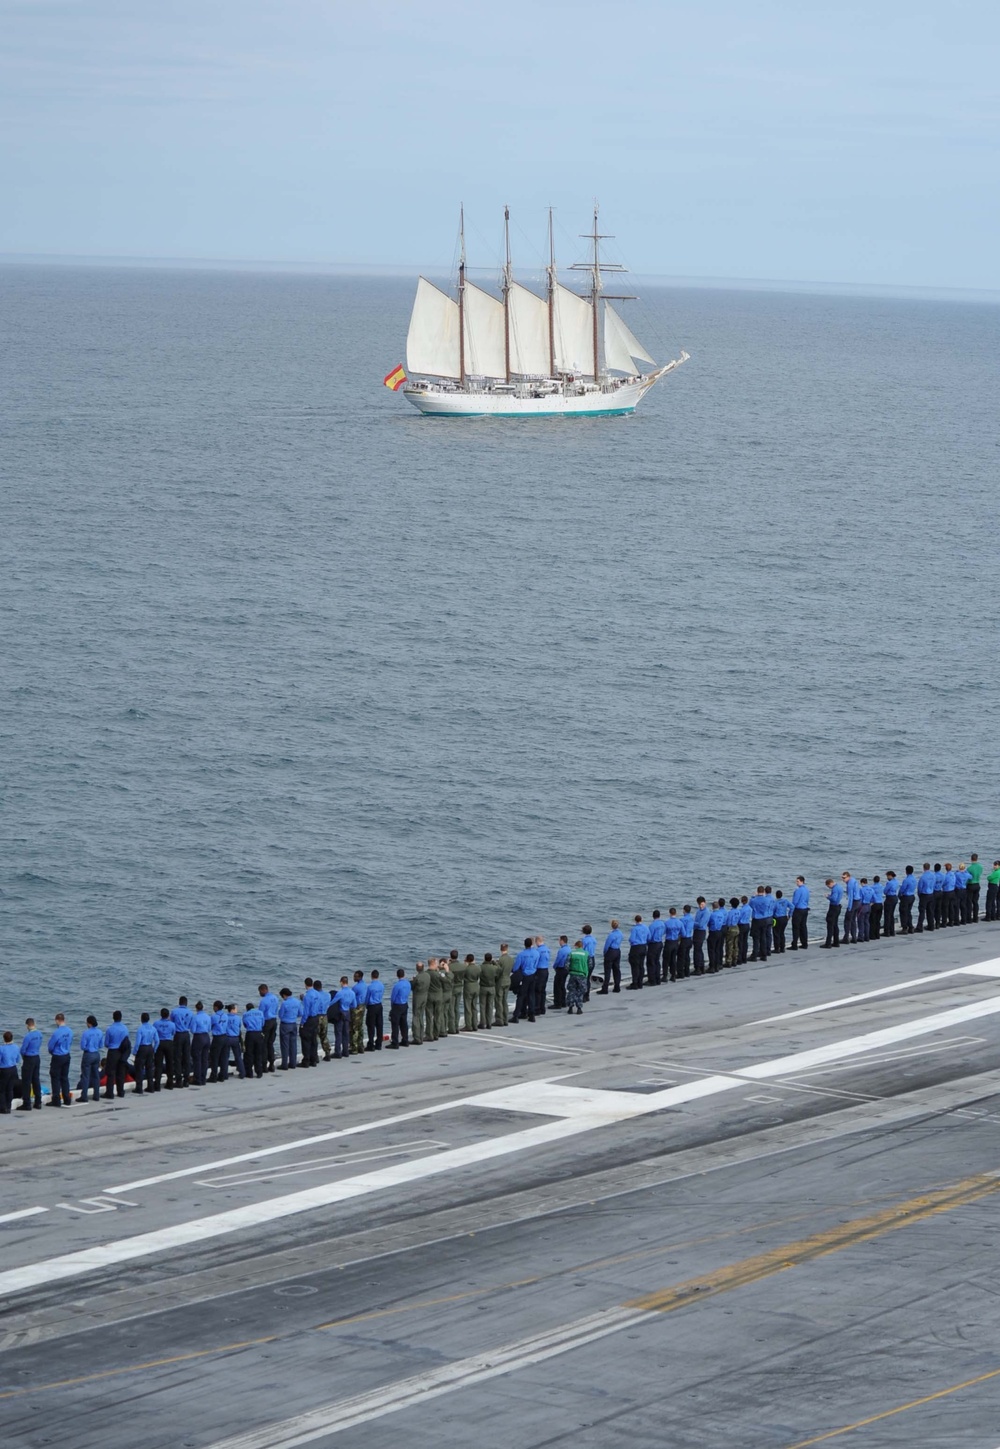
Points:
[(327, 268)]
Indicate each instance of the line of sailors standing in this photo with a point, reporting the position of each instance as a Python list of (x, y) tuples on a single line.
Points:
[(184, 1046)]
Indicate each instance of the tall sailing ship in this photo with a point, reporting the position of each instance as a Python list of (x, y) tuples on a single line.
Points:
[(524, 355)]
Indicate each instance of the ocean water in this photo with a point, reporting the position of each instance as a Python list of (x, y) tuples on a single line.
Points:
[(295, 680)]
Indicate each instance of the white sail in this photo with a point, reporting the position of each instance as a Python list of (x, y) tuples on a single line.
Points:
[(621, 346), (529, 333), (574, 333), (432, 341), (484, 334)]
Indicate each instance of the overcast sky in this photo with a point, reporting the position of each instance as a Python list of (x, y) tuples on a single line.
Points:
[(783, 139)]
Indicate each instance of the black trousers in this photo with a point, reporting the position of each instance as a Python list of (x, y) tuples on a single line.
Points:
[(654, 962), (780, 922), (199, 1057), (875, 920), (309, 1041), (939, 919), (637, 965), (59, 1078), (373, 1021), (31, 1080), (699, 952), (972, 894), (684, 956), (906, 915), (559, 975), (114, 1072), (670, 959), (142, 1070), (889, 916), (541, 989), (270, 1036), (219, 1058), (800, 928), (851, 922), (253, 1053), (525, 1004), (952, 915), (234, 1049), (758, 930), (398, 1024), (164, 1064), (926, 912), (832, 926), (182, 1058), (8, 1081), (612, 967), (992, 896), (716, 943), (744, 940)]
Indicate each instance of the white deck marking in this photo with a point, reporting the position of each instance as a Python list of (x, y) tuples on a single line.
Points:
[(21, 1213), (576, 1110), (344, 1414), (984, 968), (281, 1147), (316, 1164)]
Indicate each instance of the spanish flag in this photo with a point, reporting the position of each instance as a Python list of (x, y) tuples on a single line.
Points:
[(395, 378)]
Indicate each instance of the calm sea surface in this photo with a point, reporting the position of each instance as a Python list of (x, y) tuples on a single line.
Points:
[(295, 680)]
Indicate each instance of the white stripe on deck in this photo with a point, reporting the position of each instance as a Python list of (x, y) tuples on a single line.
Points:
[(576, 1109), (984, 968), (22, 1213)]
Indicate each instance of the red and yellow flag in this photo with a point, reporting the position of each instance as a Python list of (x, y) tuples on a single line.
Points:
[(395, 378)]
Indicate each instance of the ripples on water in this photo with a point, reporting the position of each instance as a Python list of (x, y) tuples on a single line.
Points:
[(296, 680)]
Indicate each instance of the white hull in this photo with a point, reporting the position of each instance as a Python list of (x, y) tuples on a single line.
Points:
[(571, 400)]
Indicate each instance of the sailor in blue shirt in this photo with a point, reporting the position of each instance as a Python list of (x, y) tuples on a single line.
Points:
[(701, 916), (312, 1002), (253, 1040), (612, 959), (800, 914), (762, 914), (147, 1039), (684, 943), (939, 875), (926, 911), (164, 1063), (234, 1041), (834, 902), (963, 899), (9, 1058), (182, 1017), (341, 1006), (59, 1044), (31, 1078), (117, 1047), (269, 1007), (782, 911), (949, 903), (589, 942), (91, 1041), (889, 909), (201, 1036), (875, 913), (671, 944), (399, 1002), (374, 1023), (638, 940), (654, 950), (852, 906), (865, 898), (541, 975), (718, 916), (219, 1051), (289, 1014), (525, 966), (560, 970)]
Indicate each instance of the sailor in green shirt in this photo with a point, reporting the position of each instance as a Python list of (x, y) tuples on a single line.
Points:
[(420, 985), (472, 977), (489, 975), (992, 891), (503, 984), (454, 984), (975, 869), (436, 1027), (576, 979)]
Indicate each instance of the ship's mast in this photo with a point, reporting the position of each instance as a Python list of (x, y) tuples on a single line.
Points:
[(552, 299), (595, 267), (507, 277), (461, 295)]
